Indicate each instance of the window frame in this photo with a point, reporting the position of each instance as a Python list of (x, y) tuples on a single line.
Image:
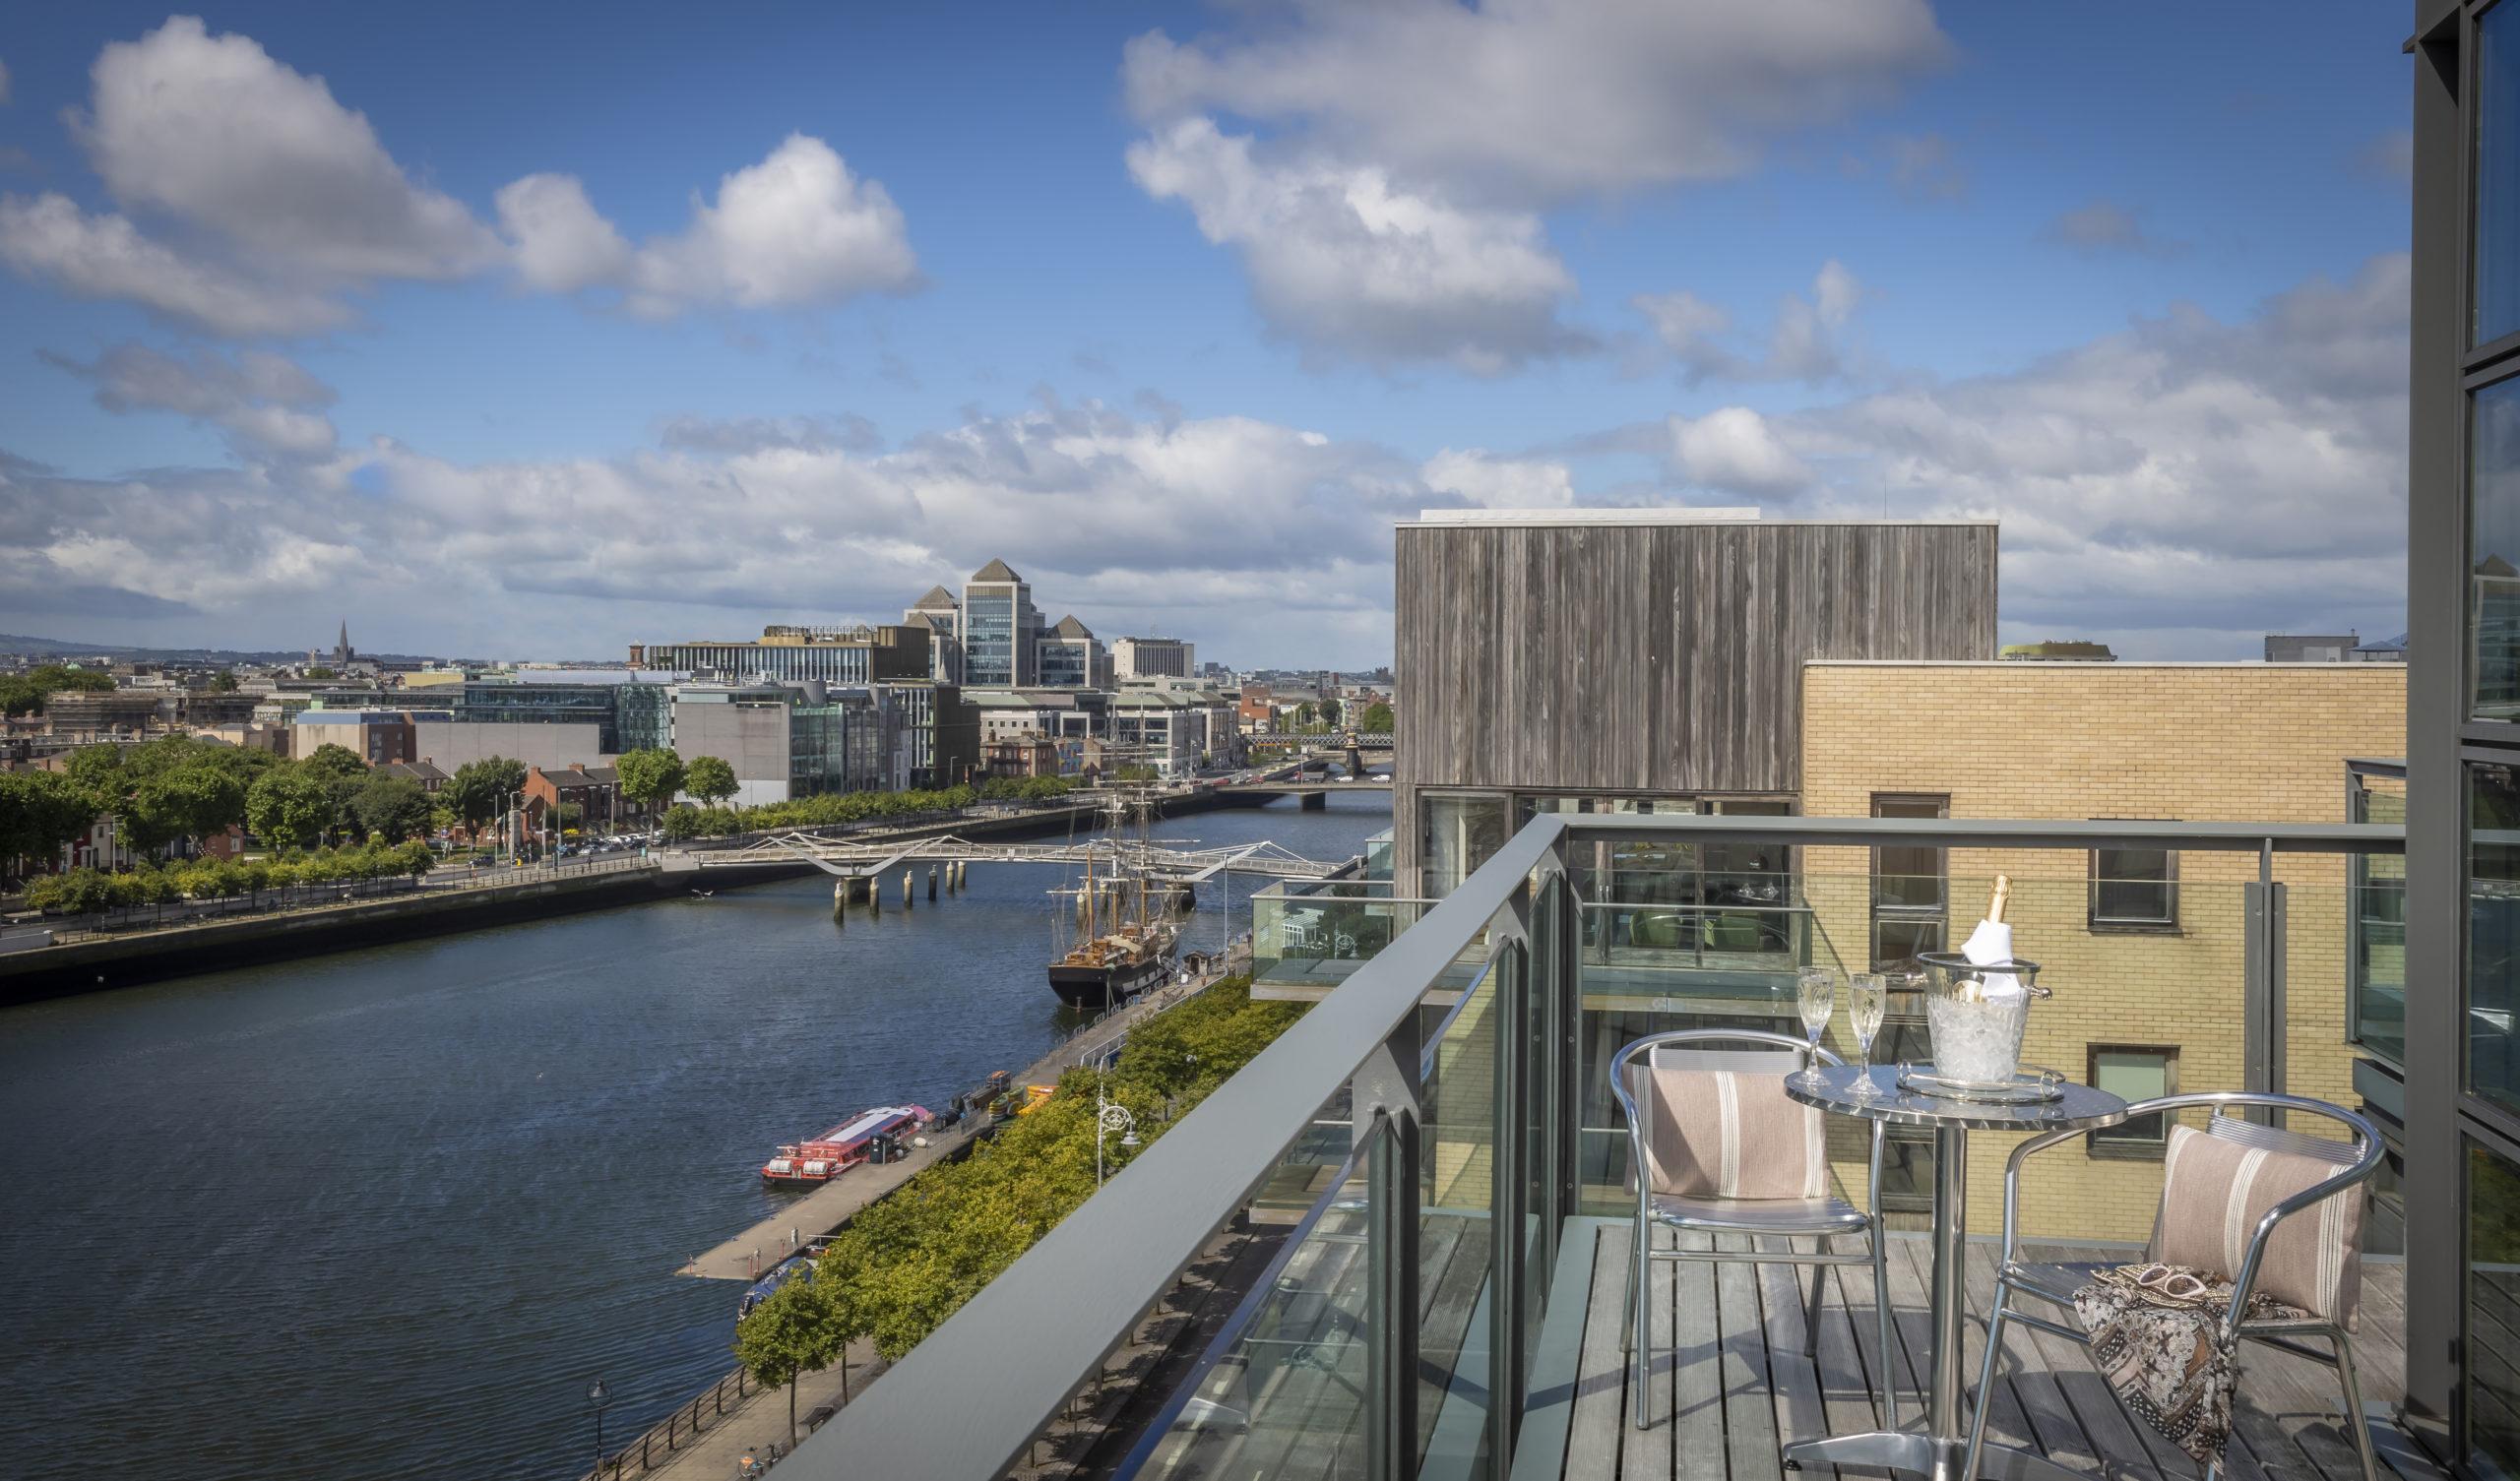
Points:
[(1938, 915), (2166, 924), (2112, 1142)]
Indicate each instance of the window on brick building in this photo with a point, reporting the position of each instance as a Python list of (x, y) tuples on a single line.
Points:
[(2134, 890), (2133, 1072), (1910, 891)]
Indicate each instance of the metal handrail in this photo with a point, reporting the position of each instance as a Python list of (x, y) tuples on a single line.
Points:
[(1073, 1297)]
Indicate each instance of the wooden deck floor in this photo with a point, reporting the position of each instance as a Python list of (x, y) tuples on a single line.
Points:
[(1737, 1386)]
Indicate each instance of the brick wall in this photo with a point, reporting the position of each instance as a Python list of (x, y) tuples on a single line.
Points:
[(2185, 742)]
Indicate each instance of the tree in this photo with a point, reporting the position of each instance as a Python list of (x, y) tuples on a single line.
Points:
[(337, 762), (1330, 712), (319, 671), (223, 681), (41, 813), (290, 808), (1377, 719), (681, 821), (1303, 715), (650, 777), (26, 693), (710, 779), (191, 802), (794, 1332), (478, 790), (391, 806)]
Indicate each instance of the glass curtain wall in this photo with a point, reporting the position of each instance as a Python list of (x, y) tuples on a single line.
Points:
[(2465, 766)]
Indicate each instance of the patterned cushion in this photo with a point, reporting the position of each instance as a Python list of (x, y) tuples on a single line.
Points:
[(2214, 1190), (1714, 1133)]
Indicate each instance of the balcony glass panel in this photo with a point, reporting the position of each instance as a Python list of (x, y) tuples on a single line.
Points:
[(2497, 247), (1286, 1395), (2493, 932), (1458, 1192), (2494, 1314)]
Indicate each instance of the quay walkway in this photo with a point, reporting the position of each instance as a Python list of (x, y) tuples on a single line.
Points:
[(707, 1436)]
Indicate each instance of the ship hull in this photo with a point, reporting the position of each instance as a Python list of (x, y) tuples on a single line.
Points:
[(1105, 986)]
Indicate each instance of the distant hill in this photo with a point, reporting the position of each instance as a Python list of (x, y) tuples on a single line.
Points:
[(54, 647)]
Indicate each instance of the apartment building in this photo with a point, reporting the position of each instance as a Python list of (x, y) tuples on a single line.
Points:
[(2146, 949)]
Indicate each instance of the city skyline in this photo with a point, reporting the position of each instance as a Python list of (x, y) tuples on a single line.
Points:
[(595, 359)]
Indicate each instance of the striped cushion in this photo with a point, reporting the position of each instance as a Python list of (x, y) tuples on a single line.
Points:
[(2214, 1190), (1714, 1133)]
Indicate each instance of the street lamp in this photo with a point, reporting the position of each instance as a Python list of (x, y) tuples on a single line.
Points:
[(597, 1395), (1110, 1116)]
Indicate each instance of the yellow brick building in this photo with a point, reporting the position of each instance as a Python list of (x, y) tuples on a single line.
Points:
[(2145, 955)]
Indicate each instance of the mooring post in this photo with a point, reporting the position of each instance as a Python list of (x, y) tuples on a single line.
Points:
[(932, 881), (906, 900)]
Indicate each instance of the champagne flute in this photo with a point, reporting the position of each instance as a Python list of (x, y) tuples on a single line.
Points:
[(1868, 995), (1815, 992)]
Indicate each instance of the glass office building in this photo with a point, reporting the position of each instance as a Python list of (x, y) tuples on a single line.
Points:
[(2461, 1058)]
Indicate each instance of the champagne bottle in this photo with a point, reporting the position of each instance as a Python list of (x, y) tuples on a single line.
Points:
[(2000, 899)]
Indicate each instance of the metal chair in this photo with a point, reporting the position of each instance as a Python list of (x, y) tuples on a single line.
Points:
[(1821, 1219), (2056, 1285)]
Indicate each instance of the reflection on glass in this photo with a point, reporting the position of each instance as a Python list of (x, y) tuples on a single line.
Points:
[(2494, 1314), (2377, 894), (2494, 546), (2496, 246), (1456, 835), (2493, 932)]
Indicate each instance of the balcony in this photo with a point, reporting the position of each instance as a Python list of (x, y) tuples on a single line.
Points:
[(1449, 1084)]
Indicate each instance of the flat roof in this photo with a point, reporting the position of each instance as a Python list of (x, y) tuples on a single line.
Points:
[(1644, 515), (2103, 666)]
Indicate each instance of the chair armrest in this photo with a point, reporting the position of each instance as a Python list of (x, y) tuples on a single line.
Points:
[(2012, 1183)]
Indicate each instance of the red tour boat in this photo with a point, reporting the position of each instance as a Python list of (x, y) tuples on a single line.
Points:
[(825, 1157)]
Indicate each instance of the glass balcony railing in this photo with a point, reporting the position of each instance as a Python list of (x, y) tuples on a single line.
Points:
[(1437, 1129)]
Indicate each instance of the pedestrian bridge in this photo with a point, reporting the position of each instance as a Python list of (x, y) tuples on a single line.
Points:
[(1159, 862)]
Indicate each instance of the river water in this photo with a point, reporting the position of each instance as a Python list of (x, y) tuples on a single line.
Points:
[(387, 1212)]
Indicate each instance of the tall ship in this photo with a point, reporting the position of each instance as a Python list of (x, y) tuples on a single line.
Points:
[(1124, 946)]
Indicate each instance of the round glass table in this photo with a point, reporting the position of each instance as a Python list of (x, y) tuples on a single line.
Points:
[(1935, 1447)]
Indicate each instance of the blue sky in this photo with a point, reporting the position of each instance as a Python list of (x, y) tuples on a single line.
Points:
[(1176, 309)]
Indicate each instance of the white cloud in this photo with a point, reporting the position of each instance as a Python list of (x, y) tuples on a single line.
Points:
[(1806, 342), (2107, 226), (1495, 482), (213, 132), (268, 405), (104, 256), (797, 228), (1341, 259), (1735, 450), (561, 243), (1543, 99), (254, 203), (1226, 518), (2187, 476)]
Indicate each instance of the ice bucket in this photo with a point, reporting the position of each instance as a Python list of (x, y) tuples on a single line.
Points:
[(1977, 1033)]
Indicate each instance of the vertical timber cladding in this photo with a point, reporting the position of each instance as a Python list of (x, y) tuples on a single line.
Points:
[(1658, 657)]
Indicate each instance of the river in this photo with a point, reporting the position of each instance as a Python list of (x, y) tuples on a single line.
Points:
[(385, 1214)]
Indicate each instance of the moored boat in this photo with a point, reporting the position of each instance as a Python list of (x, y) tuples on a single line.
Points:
[(819, 1160)]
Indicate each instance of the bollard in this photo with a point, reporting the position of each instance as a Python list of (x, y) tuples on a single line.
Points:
[(906, 900), (932, 881)]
